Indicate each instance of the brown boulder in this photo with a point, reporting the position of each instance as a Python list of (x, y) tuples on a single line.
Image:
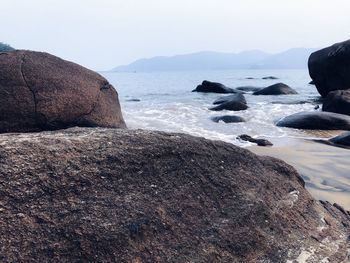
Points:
[(39, 91), (100, 195)]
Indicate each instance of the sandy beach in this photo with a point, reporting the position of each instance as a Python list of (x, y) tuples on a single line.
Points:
[(324, 168)]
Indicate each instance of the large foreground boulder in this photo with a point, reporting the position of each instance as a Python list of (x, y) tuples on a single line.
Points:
[(276, 89), (329, 68), (39, 91), (213, 87), (100, 195), (316, 120), (337, 101), (235, 102)]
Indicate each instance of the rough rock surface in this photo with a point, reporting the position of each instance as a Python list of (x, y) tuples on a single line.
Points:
[(106, 195), (39, 91), (316, 120), (213, 87), (337, 101), (276, 89), (228, 119), (235, 102), (329, 68)]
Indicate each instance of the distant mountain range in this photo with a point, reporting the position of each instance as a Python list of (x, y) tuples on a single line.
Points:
[(295, 58)]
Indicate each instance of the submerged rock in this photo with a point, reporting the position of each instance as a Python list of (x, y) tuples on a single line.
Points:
[(228, 119), (235, 102), (276, 89), (330, 68), (270, 77), (316, 120), (214, 87), (39, 91), (337, 101), (248, 88), (133, 100), (259, 142), (100, 195)]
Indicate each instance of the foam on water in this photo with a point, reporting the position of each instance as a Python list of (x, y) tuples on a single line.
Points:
[(167, 103)]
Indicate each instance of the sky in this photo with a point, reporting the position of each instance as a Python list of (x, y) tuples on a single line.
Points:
[(102, 34)]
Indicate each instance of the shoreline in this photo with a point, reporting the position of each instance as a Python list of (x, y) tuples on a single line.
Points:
[(323, 167)]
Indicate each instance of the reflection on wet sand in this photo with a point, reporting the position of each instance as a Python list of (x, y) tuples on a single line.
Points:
[(325, 168)]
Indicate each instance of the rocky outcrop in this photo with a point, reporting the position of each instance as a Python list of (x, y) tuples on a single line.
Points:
[(316, 120), (228, 119), (276, 89), (259, 142), (329, 68), (101, 195), (213, 87), (337, 101), (39, 91), (235, 102)]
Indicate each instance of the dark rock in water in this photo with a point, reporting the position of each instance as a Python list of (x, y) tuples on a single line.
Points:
[(330, 68), (39, 91), (234, 102), (342, 139), (270, 77), (100, 195), (312, 82), (133, 100), (276, 89), (228, 119), (250, 78), (248, 88), (214, 87), (292, 102), (259, 142), (337, 101), (316, 120), (223, 99)]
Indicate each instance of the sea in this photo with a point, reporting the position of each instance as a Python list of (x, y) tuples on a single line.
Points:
[(164, 101), (167, 102)]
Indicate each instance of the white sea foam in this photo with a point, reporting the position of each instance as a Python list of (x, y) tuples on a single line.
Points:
[(168, 104)]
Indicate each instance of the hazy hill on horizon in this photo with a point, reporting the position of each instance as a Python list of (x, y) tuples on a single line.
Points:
[(295, 58)]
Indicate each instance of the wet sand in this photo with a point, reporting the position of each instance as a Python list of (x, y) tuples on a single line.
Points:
[(325, 169)]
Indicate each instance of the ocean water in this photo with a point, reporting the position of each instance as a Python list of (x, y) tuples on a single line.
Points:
[(167, 103)]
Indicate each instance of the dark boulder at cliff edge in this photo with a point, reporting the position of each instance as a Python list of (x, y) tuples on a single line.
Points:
[(337, 101), (115, 195), (39, 91), (329, 68)]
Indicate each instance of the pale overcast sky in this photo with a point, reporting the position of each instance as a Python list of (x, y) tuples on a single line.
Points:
[(101, 34)]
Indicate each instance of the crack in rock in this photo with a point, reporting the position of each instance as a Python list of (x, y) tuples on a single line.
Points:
[(30, 89)]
